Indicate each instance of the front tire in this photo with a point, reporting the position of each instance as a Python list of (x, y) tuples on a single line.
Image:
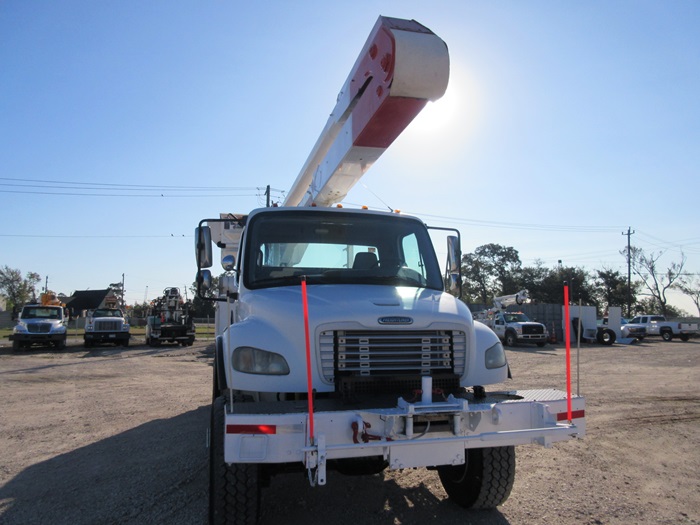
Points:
[(667, 335), (484, 481), (511, 339), (234, 490)]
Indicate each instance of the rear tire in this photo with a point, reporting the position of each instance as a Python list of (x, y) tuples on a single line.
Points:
[(684, 337), (234, 490), (606, 337), (484, 481)]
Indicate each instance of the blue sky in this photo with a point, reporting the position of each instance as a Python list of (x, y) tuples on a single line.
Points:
[(122, 124)]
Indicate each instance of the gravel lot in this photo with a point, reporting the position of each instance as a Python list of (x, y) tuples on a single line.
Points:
[(115, 435)]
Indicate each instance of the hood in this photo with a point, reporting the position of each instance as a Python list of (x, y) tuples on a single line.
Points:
[(367, 305)]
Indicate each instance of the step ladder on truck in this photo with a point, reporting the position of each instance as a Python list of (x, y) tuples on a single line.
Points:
[(340, 343)]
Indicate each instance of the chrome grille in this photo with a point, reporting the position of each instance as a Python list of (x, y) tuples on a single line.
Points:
[(39, 328), (108, 325), (372, 353), (533, 329)]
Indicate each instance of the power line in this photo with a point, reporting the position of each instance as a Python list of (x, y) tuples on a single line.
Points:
[(157, 195), (138, 186)]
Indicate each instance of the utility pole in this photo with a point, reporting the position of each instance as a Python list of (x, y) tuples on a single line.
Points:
[(629, 234), (123, 294), (267, 194)]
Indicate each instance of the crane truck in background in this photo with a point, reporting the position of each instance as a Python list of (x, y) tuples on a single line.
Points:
[(169, 320), (340, 344), (513, 327)]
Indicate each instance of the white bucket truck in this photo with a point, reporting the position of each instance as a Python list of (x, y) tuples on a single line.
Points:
[(338, 343)]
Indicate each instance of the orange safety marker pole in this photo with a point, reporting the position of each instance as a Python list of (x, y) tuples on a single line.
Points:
[(309, 382), (567, 338)]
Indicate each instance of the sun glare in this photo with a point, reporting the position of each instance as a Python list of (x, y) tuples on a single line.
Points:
[(455, 112)]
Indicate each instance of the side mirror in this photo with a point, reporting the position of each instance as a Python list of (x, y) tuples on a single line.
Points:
[(202, 247), (203, 281), (228, 262), (454, 269)]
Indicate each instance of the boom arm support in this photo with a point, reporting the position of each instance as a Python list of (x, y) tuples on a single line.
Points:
[(402, 65), (502, 302)]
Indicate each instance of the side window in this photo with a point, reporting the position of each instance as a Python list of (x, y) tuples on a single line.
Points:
[(412, 255)]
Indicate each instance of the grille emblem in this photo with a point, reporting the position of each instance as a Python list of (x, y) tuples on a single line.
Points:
[(395, 320)]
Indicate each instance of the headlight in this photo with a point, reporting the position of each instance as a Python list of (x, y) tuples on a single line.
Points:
[(251, 360), (89, 328), (495, 356), (58, 329), (20, 328)]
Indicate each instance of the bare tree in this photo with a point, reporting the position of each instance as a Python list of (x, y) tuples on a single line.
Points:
[(690, 286), (655, 280)]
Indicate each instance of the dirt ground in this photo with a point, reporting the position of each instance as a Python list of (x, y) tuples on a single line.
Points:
[(118, 435)]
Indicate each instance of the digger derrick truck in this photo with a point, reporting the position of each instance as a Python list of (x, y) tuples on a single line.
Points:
[(169, 320), (339, 343), (512, 327)]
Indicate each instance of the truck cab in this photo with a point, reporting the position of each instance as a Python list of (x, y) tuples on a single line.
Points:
[(339, 347), (513, 328), (40, 324), (106, 325)]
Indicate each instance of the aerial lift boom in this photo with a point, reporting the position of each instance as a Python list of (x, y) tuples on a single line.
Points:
[(402, 66)]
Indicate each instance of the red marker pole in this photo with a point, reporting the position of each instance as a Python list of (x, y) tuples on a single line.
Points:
[(309, 382), (567, 338)]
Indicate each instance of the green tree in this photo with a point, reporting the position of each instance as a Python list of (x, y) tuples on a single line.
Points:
[(202, 307), (650, 305), (546, 285), (656, 280), (18, 290), (490, 271), (139, 310), (118, 290), (611, 288)]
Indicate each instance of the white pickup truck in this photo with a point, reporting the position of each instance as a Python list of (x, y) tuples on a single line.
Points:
[(658, 325)]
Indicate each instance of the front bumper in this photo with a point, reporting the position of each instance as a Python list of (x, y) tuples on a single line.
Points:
[(27, 337), (105, 337), (532, 338), (407, 435)]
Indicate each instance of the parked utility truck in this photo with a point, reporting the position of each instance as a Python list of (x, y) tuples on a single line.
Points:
[(43, 324), (339, 343), (106, 325), (169, 320), (513, 327)]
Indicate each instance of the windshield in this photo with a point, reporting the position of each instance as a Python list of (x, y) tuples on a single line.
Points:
[(104, 312), (40, 312), (516, 318), (338, 248)]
